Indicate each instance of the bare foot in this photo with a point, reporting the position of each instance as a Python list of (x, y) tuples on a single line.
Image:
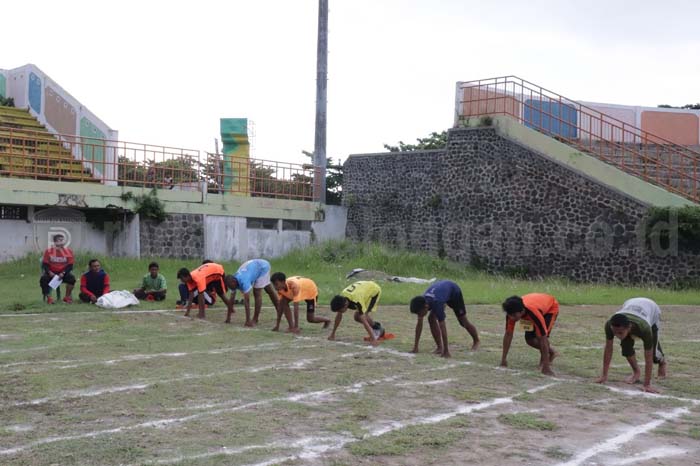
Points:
[(292, 330), (276, 328), (662, 370), (248, 324), (438, 351), (326, 324), (552, 355), (476, 345), (227, 321), (634, 378)]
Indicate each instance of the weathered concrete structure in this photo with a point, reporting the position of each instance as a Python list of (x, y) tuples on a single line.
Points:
[(508, 198), (215, 226)]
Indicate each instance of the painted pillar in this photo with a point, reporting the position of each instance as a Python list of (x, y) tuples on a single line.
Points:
[(236, 170)]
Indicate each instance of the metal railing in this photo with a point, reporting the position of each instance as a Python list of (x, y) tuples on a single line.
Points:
[(40, 155), (652, 158)]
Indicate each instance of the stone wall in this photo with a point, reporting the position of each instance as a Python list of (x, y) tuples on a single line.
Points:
[(179, 236), (490, 202)]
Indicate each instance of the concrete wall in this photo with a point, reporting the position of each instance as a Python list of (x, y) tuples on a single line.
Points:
[(180, 235), (333, 225), (17, 239), (501, 205)]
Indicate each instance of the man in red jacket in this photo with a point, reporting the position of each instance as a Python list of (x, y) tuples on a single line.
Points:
[(57, 260), (93, 283)]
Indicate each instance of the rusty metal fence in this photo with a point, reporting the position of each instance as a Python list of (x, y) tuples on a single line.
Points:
[(43, 156), (652, 158)]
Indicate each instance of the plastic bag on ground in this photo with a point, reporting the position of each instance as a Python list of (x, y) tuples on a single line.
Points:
[(117, 300)]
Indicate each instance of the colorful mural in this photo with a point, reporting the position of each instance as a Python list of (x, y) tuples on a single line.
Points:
[(59, 113), (481, 101), (236, 165), (678, 127), (554, 118), (93, 144), (616, 125), (34, 92)]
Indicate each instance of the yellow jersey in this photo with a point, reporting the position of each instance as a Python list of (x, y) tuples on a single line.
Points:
[(363, 296)]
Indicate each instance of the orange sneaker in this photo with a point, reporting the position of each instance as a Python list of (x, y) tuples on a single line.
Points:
[(49, 300), (68, 300)]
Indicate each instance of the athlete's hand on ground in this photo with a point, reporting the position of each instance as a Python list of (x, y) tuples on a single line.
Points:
[(374, 342), (601, 379), (650, 389)]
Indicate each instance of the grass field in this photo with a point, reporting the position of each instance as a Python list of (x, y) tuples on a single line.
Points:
[(328, 264), (150, 387)]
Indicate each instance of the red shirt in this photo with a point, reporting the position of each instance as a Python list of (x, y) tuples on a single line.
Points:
[(58, 259), (205, 274), (537, 306)]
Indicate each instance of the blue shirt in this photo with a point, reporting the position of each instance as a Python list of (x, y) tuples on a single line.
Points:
[(441, 293), (250, 271)]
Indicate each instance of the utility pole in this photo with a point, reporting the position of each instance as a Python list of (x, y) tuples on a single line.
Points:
[(321, 103)]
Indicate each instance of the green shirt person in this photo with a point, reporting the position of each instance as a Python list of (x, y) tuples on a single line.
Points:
[(153, 285), (639, 318)]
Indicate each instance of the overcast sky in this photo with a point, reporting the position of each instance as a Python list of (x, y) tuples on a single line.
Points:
[(165, 72)]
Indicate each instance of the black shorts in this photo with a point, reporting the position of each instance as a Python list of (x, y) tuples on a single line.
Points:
[(311, 306), (457, 305), (217, 286), (529, 335)]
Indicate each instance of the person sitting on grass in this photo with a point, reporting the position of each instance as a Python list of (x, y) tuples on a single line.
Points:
[(93, 283), (362, 297), (638, 318), (209, 276), (57, 260), (253, 275), (537, 313), (438, 295), (153, 285), (295, 290)]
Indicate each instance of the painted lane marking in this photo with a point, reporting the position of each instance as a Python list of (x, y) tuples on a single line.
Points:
[(625, 436)]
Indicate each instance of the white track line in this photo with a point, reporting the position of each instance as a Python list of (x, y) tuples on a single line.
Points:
[(70, 364), (97, 312), (651, 395), (627, 434), (367, 347), (661, 452), (160, 423), (315, 447), (300, 364), (427, 383)]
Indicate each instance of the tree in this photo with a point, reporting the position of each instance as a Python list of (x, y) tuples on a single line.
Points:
[(432, 142), (334, 179), (685, 107)]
